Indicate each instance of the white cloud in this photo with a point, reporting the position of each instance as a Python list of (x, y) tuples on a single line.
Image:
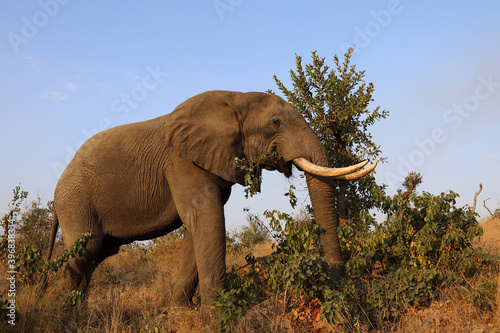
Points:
[(492, 157), (54, 96), (132, 75), (32, 62), (71, 86)]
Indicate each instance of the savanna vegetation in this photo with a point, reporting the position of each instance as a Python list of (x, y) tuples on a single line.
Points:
[(424, 264), (430, 266)]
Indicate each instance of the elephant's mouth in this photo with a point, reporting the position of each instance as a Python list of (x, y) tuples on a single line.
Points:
[(277, 164), (282, 166)]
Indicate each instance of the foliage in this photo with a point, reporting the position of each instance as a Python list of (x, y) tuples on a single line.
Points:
[(14, 207), (254, 232), (230, 303), (36, 224), (253, 172), (397, 267), (22, 249), (424, 245), (409, 185), (297, 263), (335, 103), (30, 265), (32, 226), (74, 297), (246, 237), (482, 295)]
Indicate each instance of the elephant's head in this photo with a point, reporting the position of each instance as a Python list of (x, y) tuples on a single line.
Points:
[(213, 128)]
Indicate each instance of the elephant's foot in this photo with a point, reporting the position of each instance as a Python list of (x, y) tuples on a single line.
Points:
[(74, 280), (209, 290), (183, 297)]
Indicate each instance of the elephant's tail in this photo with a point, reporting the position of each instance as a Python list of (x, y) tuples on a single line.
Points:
[(53, 234)]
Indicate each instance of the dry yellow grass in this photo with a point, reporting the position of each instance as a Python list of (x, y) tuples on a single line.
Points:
[(127, 295), (490, 241)]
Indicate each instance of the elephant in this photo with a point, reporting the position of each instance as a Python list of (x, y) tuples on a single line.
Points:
[(143, 180)]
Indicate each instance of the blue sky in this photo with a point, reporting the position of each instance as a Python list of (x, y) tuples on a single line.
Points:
[(67, 67)]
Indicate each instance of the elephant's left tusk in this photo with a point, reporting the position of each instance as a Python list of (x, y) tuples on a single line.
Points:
[(317, 170), (357, 174)]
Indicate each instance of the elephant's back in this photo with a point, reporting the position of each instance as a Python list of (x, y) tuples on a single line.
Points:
[(106, 159), (117, 178)]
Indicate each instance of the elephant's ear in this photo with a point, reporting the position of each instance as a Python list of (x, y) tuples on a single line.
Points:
[(205, 130)]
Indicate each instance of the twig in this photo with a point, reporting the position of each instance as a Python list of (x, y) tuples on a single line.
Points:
[(484, 203), (475, 197)]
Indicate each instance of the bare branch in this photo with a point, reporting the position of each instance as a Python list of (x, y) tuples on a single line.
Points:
[(484, 203), (475, 196)]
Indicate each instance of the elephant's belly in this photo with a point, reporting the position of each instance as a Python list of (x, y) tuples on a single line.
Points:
[(135, 213), (144, 230), (141, 224)]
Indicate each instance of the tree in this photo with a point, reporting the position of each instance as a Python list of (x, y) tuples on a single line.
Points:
[(36, 223), (33, 223), (409, 186), (14, 209), (335, 104)]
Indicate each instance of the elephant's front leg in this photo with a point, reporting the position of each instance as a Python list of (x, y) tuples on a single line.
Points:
[(200, 206), (187, 274), (209, 241)]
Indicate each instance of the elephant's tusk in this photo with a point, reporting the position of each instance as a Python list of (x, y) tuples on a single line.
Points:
[(357, 174), (317, 170)]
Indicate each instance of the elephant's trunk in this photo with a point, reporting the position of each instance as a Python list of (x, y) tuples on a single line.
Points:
[(323, 199), (319, 177)]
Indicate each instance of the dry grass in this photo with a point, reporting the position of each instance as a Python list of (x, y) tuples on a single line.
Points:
[(128, 295), (490, 241)]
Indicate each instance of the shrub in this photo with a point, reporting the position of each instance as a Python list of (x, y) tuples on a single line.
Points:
[(232, 302), (424, 244), (21, 247), (254, 232)]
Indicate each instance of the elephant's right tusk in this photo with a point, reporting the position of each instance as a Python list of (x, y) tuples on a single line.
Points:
[(317, 170)]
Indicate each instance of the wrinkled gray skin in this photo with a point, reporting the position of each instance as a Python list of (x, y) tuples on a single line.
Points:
[(144, 180)]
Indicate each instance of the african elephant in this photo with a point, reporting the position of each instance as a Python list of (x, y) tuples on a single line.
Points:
[(146, 179)]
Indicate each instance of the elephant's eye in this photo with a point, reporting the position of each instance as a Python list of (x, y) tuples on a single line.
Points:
[(276, 123)]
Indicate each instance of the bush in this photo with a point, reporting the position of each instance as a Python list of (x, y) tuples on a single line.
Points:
[(424, 245), (253, 233), (26, 235)]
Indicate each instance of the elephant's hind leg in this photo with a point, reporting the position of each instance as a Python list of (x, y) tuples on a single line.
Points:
[(79, 270)]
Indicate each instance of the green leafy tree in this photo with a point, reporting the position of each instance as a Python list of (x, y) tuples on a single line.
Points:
[(335, 103), (36, 224), (33, 223)]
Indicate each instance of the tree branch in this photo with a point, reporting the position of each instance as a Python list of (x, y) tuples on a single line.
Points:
[(484, 203), (475, 197)]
